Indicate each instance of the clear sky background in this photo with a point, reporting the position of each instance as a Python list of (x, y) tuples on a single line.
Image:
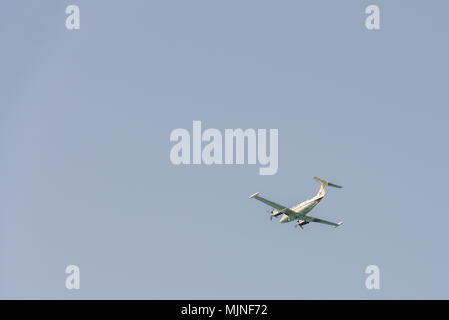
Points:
[(85, 175)]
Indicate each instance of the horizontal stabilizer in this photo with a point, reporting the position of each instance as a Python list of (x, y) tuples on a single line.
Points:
[(334, 185), (254, 195), (327, 183)]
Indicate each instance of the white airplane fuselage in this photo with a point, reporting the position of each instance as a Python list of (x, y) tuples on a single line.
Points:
[(301, 209)]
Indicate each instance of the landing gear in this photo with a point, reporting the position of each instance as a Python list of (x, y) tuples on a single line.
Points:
[(301, 223)]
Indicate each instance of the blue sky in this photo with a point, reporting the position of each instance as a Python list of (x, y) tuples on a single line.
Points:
[(86, 179)]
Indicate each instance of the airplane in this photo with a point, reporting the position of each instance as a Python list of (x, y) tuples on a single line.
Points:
[(301, 210)]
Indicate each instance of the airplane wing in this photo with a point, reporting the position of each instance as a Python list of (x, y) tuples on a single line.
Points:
[(312, 219), (280, 208)]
